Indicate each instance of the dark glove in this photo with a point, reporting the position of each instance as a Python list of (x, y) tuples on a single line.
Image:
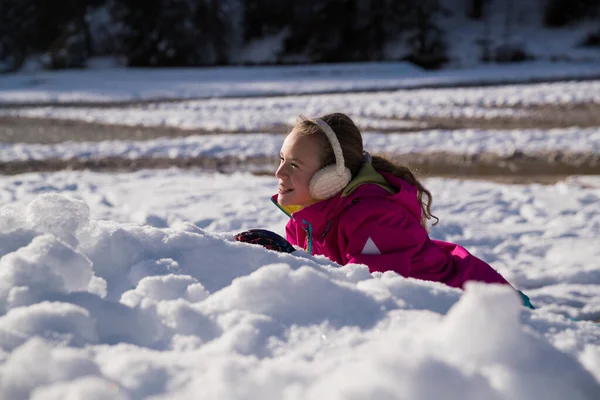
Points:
[(267, 239)]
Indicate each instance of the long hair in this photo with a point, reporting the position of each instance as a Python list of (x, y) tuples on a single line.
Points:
[(403, 172), (350, 140)]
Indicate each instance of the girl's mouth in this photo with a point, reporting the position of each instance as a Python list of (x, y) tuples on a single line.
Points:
[(285, 190)]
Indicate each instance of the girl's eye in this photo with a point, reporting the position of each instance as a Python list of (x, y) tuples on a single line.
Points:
[(281, 160)]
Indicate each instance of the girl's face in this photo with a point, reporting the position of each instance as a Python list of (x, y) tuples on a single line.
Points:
[(299, 160)]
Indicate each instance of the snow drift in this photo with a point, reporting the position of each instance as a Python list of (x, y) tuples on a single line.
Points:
[(107, 310)]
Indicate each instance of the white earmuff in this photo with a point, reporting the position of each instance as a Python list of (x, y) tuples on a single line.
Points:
[(332, 179)]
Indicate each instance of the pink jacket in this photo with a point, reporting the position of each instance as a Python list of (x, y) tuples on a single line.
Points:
[(372, 225)]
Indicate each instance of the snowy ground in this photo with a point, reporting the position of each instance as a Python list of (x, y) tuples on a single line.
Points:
[(119, 84), (388, 112), (96, 305), (376, 110), (129, 285), (471, 141)]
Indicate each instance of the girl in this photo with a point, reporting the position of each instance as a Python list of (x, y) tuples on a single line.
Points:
[(354, 208)]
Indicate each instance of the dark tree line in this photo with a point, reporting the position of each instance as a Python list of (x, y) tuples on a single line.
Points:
[(208, 32), (172, 32)]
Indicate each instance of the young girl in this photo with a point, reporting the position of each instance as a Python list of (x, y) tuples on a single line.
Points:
[(354, 208)]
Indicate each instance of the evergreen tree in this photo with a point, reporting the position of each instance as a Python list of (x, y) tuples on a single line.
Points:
[(321, 30), (266, 17), (56, 28), (476, 9), (426, 41), (558, 13), (343, 30), (172, 32), (212, 29), (16, 28)]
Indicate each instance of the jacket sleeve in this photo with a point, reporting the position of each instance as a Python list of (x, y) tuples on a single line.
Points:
[(382, 235), (389, 238)]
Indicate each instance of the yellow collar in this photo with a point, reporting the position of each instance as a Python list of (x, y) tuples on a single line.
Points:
[(289, 210)]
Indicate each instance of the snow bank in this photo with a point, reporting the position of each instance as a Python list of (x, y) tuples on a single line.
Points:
[(467, 141), (378, 110), (134, 84), (105, 310)]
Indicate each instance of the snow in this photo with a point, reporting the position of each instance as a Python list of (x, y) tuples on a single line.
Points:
[(134, 84), (96, 305), (131, 286), (469, 141), (383, 110), (260, 51), (375, 113), (526, 31)]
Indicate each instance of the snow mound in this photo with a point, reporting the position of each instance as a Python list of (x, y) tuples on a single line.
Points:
[(105, 310)]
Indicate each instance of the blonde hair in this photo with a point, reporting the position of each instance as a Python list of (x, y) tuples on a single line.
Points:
[(350, 140)]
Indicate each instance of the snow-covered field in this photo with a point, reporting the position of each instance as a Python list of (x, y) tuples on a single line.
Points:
[(169, 306), (118, 84), (130, 286), (470, 141), (387, 110), (376, 112)]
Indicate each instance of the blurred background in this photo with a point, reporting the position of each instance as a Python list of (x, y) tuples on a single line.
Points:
[(59, 34), (460, 88), (136, 136)]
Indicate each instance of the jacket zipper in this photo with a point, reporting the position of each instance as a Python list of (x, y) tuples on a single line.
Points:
[(309, 241)]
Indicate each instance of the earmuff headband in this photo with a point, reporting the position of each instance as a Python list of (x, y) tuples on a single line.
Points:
[(340, 165)]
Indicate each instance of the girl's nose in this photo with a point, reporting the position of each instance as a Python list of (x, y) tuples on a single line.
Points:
[(280, 172)]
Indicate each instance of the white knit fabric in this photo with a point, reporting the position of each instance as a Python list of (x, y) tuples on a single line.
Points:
[(330, 180), (326, 182), (335, 144)]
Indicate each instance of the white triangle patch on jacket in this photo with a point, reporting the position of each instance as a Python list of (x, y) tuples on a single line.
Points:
[(370, 247)]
